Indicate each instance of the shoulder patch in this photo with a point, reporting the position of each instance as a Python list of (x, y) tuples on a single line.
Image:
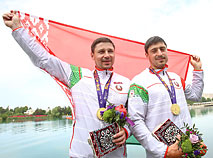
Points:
[(138, 91), (75, 76)]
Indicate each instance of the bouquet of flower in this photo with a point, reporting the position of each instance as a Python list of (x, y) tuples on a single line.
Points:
[(192, 143), (116, 114)]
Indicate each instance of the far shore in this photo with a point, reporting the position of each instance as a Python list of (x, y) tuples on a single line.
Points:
[(194, 106)]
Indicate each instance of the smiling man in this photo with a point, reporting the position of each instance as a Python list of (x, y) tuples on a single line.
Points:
[(82, 83), (157, 56), (157, 95), (102, 52)]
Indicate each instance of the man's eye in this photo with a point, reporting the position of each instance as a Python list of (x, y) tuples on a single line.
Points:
[(101, 52), (163, 49), (154, 50), (110, 51)]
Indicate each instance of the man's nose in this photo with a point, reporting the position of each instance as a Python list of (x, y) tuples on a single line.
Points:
[(106, 54), (159, 52)]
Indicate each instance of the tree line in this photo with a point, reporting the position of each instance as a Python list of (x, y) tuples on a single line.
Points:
[(203, 99), (56, 112)]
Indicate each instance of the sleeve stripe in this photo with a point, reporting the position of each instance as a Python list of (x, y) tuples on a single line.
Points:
[(183, 83), (79, 70)]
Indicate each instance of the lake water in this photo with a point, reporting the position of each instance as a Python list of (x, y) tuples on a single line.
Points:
[(50, 139)]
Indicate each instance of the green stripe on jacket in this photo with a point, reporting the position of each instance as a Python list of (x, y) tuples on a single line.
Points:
[(76, 75), (138, 91)]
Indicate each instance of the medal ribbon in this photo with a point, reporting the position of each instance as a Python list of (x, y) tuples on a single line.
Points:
[(102, 97), (172, 91)]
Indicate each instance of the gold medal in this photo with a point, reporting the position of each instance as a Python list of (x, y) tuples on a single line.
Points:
[(175, 108), (99, 116)]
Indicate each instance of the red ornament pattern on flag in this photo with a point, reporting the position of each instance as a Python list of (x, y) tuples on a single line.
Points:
[(37, 27)]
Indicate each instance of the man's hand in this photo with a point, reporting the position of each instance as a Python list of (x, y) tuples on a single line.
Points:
[(11, 20), (196, 62), (174, 151), (120, 137)]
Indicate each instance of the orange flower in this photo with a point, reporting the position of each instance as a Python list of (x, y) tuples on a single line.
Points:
[(121, 108)]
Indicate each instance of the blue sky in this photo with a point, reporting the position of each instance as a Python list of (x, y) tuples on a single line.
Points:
[(186, 26)]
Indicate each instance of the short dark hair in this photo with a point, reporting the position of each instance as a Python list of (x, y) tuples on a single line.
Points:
[(153, 40), (99, 40)]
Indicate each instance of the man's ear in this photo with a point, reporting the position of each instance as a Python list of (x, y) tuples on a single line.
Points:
[(92, 55), (146, 54)]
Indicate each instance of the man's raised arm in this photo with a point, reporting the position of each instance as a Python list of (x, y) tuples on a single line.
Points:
[(38, 55)]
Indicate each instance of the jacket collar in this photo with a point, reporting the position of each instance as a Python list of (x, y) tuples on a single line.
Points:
[(159, 70), (111, 69)]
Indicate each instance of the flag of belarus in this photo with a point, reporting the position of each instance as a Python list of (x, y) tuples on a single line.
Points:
[(72, 44)]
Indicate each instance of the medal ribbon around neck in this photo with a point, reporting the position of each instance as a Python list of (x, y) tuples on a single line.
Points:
[(172, 91), (102, 97)]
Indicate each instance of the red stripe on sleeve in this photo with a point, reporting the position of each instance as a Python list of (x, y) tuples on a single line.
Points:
[(183, 83), (17, 28)]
